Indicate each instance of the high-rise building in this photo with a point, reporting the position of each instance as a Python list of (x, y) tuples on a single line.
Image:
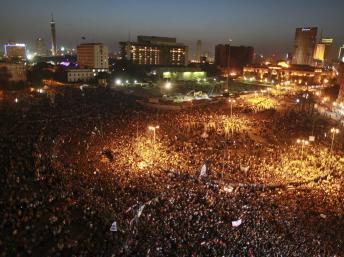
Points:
[(305, 42), (15, 51), (198, 50), (341, 54), (93, 56), (221, 55), (53, 37), (322, 51), (155, 51), (40, 47), (328, 42), (319, 52), (233, 57)]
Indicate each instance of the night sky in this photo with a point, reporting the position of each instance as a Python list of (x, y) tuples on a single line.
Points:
[(268, 25)]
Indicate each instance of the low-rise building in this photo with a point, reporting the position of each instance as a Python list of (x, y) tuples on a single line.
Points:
[(83, 75), (16, 71), (181, 73), (288, 74), (15, 51)]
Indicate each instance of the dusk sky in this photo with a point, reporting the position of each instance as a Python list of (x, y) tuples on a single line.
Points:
[(267, 25)]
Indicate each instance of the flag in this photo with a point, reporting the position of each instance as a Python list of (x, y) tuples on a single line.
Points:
[(228, 189), (236, 223), (139, 212), (204, 170), (204, 135), (113, 227), (244, 168)]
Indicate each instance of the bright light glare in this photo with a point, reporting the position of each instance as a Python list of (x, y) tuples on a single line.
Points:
[(118, 82), (29, 57), (168, 85)]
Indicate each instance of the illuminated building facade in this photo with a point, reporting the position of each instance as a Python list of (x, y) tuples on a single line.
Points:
[(15, 51), (328, 42), (319, 52), (93, 56), (287, 74), (304, 46), (181, 73), (234, 58), (82, 75), (155, 51), (322, 51)]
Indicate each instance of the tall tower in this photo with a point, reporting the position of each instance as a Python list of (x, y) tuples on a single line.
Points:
[(53, 36)]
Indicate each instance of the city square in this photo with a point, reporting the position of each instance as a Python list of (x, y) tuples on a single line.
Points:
[(172, 128), (91, 170)]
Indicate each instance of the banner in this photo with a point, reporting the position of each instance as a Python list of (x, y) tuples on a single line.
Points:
[(204, 170), (113, 227)]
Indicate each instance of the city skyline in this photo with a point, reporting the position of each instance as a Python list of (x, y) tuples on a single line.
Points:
[(269, 29)]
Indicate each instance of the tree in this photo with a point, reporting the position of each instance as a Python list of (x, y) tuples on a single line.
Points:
[(5, 77)]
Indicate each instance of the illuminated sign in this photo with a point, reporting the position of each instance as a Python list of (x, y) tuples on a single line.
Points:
[(14, 46), (327, 40), (186, 75)]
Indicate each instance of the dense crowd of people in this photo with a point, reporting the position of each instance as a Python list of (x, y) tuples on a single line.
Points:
[(75, 165)]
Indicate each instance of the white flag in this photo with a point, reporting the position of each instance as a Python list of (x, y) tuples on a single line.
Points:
[(236, 223), (228, 189), (204, 135), (244, 168), (204, 169), (139, 212), (113, 227)]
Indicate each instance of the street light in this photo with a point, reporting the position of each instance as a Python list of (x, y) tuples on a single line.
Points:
[(118, 82), (303, 143), (231, 101), (153, 128), (334, 131), (168, 85)]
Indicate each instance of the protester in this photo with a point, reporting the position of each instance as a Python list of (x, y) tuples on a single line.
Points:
[(73, 169)]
